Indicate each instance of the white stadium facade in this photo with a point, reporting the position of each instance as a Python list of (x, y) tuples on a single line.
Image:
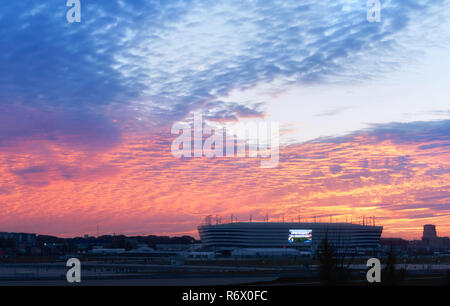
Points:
[(346, 237)]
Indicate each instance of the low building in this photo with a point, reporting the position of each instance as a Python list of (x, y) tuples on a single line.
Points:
[(173, 246), (105, 251), (200, 255), (20, 239), (268, 252)]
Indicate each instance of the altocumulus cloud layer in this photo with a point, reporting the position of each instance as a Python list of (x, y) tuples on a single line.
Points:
[(84, 110), (139, 187), (165, 58)]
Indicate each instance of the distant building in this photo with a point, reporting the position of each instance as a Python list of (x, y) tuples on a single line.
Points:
[(268, 252), (141, 249), (20, 239), (430, 244), (431, 240), (173, 246), (106, 251), (200, 255), (429, 232), (346, 237), (396, 245)]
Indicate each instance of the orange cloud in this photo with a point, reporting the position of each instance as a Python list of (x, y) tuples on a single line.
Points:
[(138, 187)]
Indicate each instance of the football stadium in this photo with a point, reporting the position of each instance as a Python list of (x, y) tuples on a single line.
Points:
[(298, 235)]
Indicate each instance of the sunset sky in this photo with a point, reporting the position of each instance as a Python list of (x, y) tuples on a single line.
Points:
[(86, 111)]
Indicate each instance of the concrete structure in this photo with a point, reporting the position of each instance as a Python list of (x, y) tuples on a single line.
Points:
[(431, 240), (299, 235), (429, 232)]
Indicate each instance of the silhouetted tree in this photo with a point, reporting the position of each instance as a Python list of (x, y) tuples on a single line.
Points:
[(327, 262), (446, 279), (332, 269), (391, 275)]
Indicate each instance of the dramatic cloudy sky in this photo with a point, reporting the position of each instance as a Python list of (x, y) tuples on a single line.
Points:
[(86, 111)]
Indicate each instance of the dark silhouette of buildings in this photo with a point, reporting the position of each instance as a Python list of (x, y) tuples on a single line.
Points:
[(432, 240), (430, 244), (429, 232)]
